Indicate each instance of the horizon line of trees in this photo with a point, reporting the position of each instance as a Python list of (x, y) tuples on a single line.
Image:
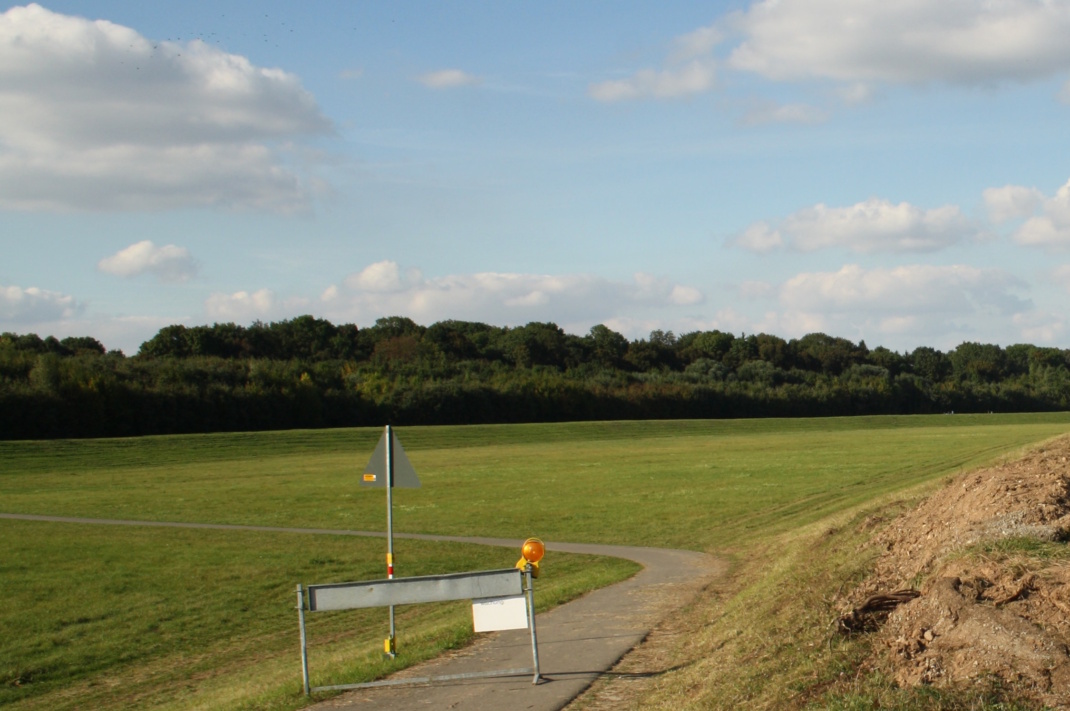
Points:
[(308, 372)]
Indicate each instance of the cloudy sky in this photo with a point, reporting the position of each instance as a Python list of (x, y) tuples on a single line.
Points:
[(889, 171)]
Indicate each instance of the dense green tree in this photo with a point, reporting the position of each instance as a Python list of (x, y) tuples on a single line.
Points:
[(82, 345), (394, 326), (463, 340), (306, 372), (819, 351), (536, 344), (1048, 358), (760, 372), (305, 337), (983, 362), (169, 342), (606, 346), (930, 364), (713, 345), (1018, 358), (32, 343), (772, 349), (889, 360), (397, 350), (742, 350), (45, 375), (653, 353)]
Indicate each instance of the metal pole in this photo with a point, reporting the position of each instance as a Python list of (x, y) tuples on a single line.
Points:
[(391, 646), (531, 622), (304, 644)]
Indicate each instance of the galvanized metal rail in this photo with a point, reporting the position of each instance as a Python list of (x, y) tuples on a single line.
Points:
[(476, 586)]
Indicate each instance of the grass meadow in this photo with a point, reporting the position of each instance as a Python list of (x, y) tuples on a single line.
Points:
[(139, 617)]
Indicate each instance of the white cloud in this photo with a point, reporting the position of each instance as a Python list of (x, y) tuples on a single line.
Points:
[(448, 79), (907, 41), (1043, 232), (766, 112), (871, 226), (689, 69), (904, 291), (1051, 229), (695, 45), (760, 237), (905, 307), (499, 298), (856, 94), (34, 305), (1061, 275), (755, 289), (1041, 327), (695, 77), (95, 116), (263, 304), (1011, 202), (168, 263), (685, 296), (382, 276)]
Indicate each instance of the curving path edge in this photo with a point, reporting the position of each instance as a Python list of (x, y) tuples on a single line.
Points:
[(578, 641)]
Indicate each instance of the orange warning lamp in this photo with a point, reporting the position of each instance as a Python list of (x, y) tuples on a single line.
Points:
[(533, 550)]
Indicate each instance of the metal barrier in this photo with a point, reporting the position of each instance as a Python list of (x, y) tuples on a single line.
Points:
[(487, 586)]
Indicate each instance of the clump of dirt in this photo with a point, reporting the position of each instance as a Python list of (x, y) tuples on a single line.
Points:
[(980, 617)]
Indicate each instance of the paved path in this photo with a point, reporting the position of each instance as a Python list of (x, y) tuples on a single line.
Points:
[(578, 641)]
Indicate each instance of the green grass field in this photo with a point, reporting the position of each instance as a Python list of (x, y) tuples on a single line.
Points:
[(139, 617), (121, 617)]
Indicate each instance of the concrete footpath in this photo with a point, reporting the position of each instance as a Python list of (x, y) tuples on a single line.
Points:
[(578, 642)]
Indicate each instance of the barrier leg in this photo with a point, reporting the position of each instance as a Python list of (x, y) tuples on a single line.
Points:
[(531, 622), (304, 643)]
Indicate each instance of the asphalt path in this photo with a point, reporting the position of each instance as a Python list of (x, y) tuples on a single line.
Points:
[(578, 642)]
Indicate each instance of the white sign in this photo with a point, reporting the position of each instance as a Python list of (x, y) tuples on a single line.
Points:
[(500, 613)]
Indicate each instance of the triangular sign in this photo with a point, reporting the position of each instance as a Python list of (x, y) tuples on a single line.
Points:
[(375, 472)]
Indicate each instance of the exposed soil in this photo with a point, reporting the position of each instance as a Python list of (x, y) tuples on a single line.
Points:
[(994, 605)]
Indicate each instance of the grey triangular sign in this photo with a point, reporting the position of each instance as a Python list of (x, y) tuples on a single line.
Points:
[(375, 471)]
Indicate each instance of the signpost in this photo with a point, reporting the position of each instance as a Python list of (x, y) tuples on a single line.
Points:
[(389, 467), (501, 599)]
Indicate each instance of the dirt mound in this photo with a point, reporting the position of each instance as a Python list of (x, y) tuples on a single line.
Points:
[(994, 601)]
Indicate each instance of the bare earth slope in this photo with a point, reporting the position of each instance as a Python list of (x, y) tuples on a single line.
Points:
[(995, 600)]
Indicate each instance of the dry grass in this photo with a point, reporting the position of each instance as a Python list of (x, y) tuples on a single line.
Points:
[(766, 638)]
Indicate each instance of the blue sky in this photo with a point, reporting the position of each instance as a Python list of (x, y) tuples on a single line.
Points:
[(893, 172)]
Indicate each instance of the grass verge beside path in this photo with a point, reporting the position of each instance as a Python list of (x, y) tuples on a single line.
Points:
[(767, 640), (116, 617), (703, 485), (174, 618), (766, 637)]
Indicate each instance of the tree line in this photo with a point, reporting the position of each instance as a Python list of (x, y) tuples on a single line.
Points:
[(308, 373)]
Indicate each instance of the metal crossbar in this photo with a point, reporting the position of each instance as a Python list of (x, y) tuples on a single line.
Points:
[(426, 679), (428, 588), (409, 591)]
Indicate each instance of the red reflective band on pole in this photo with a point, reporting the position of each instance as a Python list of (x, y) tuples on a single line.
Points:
[(389, 571)]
